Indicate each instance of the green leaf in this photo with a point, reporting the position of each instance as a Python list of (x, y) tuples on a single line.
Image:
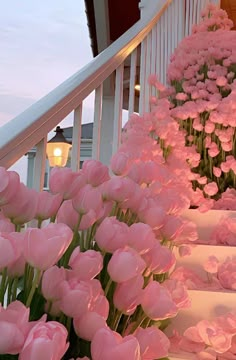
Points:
[(8, 357), (37, 306)]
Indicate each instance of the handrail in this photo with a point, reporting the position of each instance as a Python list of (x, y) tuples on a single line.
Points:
[(28, 128)]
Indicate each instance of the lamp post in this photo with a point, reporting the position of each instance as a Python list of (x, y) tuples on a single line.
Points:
[(58, 149)]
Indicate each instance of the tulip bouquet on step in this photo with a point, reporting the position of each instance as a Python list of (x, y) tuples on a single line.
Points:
[(202, 78), (84, 267)]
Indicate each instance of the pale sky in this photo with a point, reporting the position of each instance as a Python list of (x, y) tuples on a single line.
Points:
[(42, 43)]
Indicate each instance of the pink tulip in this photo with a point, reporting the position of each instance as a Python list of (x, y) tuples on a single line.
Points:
[(13, 327), (86, 265), (67, 215), (159, 259), (47, 205), (17, 267), (22, 207), (125, 264), (211, 189), (100, 305), (221, 81), (118, 189), (107, 345), (120, 163), (127, 295), (60, 181), (87, 198), (88, 324), (5, 224), (152, 215), (178, 293), (112, 234), (44, 247), (75, 297), (45, 341), (141, 237), (95, 172), (89, 219), (10, 182), (8, 250), (172, 227), (217, 171), (227, 273), (157, 302), (154, 344), (51, 280), (211, 265)]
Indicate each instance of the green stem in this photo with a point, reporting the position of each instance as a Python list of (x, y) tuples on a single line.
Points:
[(14, 288), (117, 320), (138, 323), (9, 290), (108, 286), (39, 223), (34, 286)]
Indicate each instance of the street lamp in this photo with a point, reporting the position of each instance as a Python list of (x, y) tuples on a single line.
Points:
[(58, 149)]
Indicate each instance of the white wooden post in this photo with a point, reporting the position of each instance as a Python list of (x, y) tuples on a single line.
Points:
[(97, 123), (39, 164), (76, 139), (107, 129)]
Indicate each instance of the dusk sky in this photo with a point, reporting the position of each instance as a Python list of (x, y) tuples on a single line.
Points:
[(42, 43)]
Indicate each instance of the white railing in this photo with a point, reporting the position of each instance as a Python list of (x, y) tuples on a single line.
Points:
[(149, 43)]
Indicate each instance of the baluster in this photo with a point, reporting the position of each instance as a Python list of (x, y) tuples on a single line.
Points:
[(199, 8), (187, 18), (118, 107), (142, 76), (97, 123), (154, 57), (194, 13), (133, 67), (170, 35), (158, 50), (39, 164), (165, 45), (148, 72), (161, 37), (76, 138)]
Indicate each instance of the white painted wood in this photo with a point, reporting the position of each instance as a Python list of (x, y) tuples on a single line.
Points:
[(154, 50), (180, 21), (154, 58), (187, 18), (200, 254), (207, 221), (204, 305), (158, 51), (148, 72), (142, 76), (108, 103), (76, 138), (97, 123), (162, 46), (165, 46), (118, 108), (39, 164), (22, 133), (132, 82), (170, 32)]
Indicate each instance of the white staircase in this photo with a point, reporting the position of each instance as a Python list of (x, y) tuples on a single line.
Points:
[(205, 304)]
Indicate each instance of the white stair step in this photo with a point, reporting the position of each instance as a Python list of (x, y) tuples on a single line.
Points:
[(200, 254), (206, 222), (205, 305)]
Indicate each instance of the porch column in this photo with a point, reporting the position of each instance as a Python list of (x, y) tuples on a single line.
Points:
[(107, 129)]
